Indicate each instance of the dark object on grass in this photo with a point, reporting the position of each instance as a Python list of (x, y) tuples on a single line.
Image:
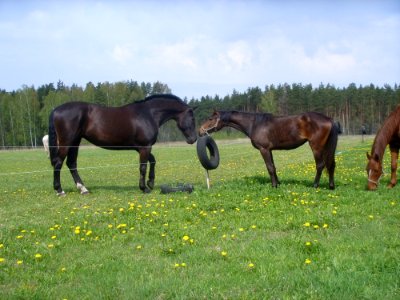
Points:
[(180, 187), (205, 143)]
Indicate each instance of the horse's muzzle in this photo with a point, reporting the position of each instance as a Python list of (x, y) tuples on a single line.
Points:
[(191, 140)]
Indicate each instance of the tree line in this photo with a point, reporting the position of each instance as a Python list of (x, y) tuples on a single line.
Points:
[(24, 113)]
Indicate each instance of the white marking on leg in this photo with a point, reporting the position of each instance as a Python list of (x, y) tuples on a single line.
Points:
[(82, 188)]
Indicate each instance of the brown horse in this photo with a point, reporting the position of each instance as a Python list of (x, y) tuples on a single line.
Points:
[(268, 132), (130, 127), (388, 134)]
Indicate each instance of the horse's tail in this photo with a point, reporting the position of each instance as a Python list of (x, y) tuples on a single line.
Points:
[(52, 137), (330, 147)]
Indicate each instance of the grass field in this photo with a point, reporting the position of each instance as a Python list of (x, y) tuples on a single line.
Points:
[(242, 239)]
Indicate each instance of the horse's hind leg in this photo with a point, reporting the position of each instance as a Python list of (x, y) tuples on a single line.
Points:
[(319, 165), (72, 165), (394, 153), (57, 163), (152, 173)]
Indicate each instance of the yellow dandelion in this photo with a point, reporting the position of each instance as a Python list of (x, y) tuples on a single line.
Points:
[(38, 256), (325, 226), (176, 265), (63, 269), (308, 244), (53, 237), (185, 238), (1, 246), (307, 224), (110, 226), (50, 246), (89, 232), (2, 259), (251, 265), (183, 265), (138, 247), (224, 253), (20, 262), (307, 261)]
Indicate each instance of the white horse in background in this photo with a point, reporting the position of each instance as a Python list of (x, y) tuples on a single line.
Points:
[(45, 141)]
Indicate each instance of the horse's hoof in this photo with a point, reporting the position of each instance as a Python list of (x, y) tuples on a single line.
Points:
[(150, 184), (85, 192), (146, 190), (61, 194)]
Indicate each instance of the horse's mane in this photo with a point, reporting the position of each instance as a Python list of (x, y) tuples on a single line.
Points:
[(259, 117), (389, 127), (165, 96)]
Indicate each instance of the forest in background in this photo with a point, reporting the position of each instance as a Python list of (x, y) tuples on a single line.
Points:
[(24, 113)]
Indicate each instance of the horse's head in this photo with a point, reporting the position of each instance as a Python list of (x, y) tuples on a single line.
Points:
[(187, 125), (212, 124), (374, 171)]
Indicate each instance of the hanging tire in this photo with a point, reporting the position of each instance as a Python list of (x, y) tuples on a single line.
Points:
[(206, 144)]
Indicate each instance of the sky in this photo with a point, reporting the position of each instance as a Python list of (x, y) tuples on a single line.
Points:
[(200, 48)]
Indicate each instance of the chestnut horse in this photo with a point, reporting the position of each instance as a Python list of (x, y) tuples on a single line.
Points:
[(268, 132), (130, 127), (388, 134)]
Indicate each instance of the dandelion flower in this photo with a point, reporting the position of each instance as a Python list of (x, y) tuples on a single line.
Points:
[(38, 256), (53, 237), (20, 262), (307, 261), (2, 259), (183, 265), (307, 224), (251, 266), (308, 244), (138, 247), (325, 226), (224, 253), (185, 238)]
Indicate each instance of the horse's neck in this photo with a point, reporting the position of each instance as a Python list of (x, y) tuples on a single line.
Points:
[(241, 122), (163, 114), (384, 136)]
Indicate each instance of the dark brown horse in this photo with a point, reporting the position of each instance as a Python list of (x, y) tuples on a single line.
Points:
[(133, 126), (388, 134), (268, 132)]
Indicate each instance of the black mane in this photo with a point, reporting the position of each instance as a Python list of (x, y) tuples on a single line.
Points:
[(166, 96)]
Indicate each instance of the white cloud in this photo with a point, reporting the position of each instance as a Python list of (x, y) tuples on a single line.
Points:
[(122, 54)]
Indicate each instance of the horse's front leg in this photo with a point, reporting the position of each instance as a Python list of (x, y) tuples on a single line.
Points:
[(152, 173), (394, 153), (269, 162), (144, 154)]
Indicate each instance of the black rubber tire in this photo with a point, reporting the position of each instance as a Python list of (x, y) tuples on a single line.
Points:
[(208, 162)]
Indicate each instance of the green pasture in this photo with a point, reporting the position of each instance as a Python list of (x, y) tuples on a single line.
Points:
[(242, 239)]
